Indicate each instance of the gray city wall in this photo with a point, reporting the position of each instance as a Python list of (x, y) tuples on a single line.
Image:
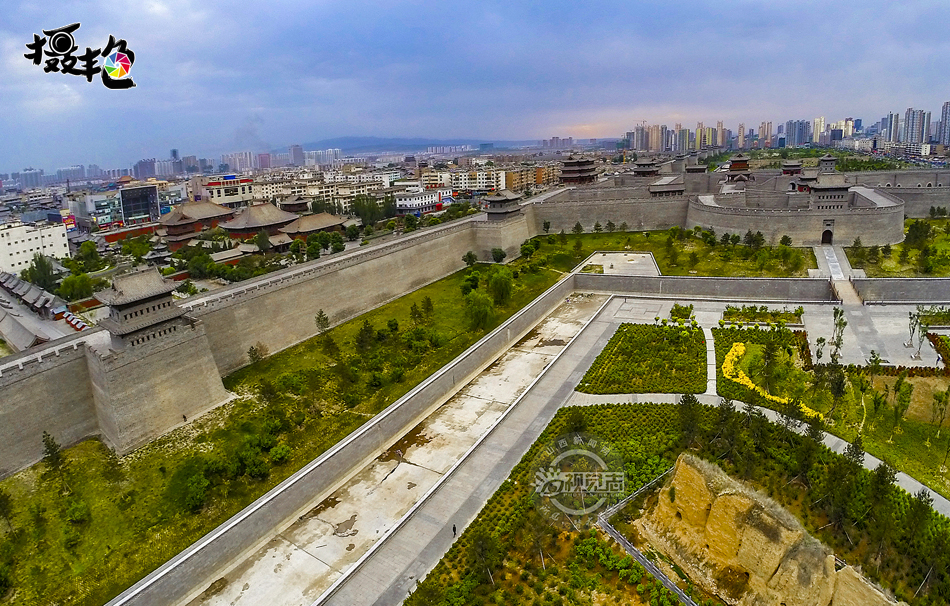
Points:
[(278, 309), (903, 290), (208, 559), (879, 226), (757, 289), (638, 214), (144, 391), (44, 389)]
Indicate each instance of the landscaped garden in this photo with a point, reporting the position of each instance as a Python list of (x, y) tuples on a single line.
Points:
[(640, 358), (84, 525), (678, 252), (511, 554), (925, 250), (900, 414), (762, 314)]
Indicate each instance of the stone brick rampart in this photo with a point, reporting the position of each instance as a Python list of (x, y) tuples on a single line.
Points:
[(638, 214), (207, 559), (877, 225), (752, 289), (903, 290), (44, 389), (278, 309), (140, 393)]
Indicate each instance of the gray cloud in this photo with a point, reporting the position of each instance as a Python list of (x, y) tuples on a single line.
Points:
[(215, 77)]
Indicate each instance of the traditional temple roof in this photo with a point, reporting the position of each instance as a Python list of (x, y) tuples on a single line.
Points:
[(257, 217), (18, 335), (190, 212), (828, 157), (136, 286), (311, 223), (740, 157), (504, 195)]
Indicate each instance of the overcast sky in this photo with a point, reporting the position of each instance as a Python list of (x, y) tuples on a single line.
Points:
[(214, 77)]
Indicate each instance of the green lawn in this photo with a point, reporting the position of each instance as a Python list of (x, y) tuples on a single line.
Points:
[(294, 405), (877, 264), (690, 256), (640, 358)]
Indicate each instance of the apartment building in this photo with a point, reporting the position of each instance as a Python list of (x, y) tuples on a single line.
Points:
[(20, 241)]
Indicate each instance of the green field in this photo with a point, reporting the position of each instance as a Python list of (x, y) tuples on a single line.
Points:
[(926, 257), (84, 535), (640, 358), (689, 256)]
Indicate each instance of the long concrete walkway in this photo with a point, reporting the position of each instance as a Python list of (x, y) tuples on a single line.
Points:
[(390, 572), (300, 562)]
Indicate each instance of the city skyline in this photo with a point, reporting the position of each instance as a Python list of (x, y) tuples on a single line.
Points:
[(209, 83)]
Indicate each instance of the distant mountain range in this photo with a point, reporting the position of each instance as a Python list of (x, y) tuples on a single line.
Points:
[(369, 144)]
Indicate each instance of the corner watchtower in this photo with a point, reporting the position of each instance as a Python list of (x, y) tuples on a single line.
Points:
[(141, 308)]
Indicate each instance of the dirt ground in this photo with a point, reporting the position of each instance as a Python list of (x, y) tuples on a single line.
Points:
[(921, 398)]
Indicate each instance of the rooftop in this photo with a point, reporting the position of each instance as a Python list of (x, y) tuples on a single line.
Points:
[(136, 286), (256, 217), (189, 212), (310, 223)]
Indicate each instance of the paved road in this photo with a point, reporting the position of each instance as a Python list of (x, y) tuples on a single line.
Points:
[(391, 571)]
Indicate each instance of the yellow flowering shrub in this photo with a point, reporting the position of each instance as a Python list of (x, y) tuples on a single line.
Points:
[(731, 370)]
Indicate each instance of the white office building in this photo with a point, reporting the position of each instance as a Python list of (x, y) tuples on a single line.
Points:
[(20, 241)]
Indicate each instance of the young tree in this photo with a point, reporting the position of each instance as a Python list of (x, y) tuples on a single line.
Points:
[(500, 285), (322, 321), (485, 550), (578, 228), (689, 413), (53, 456), (478, 309), (262, 241), (546, 226), (623, 226), (902, 403), (40, 272), (257, 352), (428, 308), (6, 508), (610, 226), (598, 227), (416, 315), (365, 336), (562, 238), (498, 254), (785, 241), (352, 232), (938, 409), (469, 258)]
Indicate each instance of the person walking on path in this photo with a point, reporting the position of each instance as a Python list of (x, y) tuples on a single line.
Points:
[(453, 530)]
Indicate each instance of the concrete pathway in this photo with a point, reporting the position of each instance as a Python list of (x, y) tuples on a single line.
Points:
[(302, 561), (391, 570)]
